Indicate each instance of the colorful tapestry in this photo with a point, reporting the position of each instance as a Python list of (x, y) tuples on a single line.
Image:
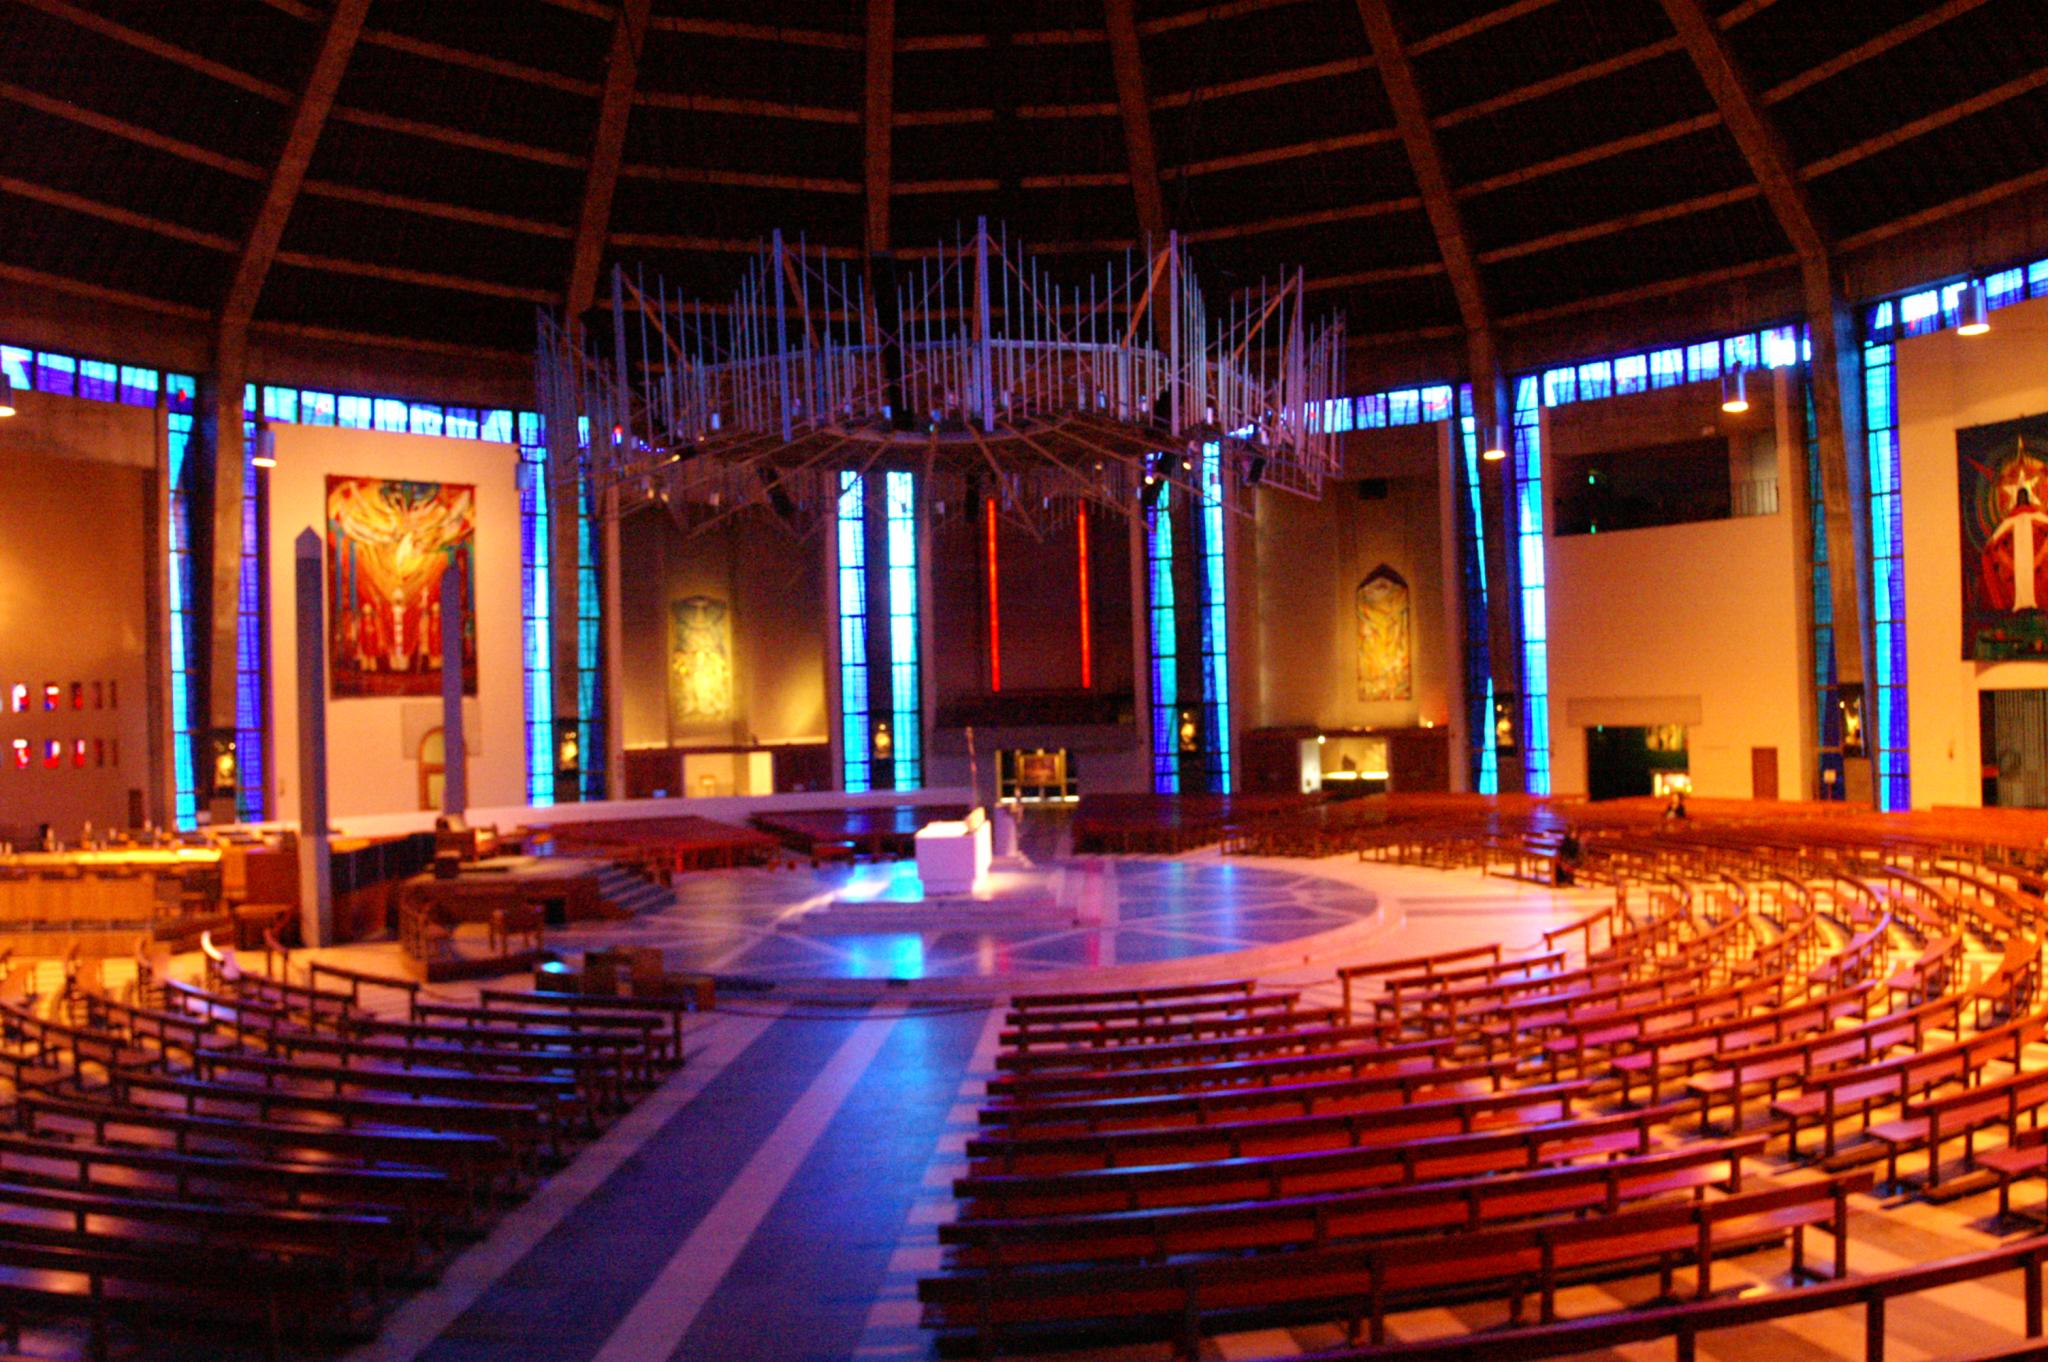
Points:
[(700, 660), (1383, 636), (389, 542), (2002, 473)]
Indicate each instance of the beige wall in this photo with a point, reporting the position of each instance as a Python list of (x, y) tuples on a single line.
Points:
[(1947, 382), (774, 586), (1300, 579), (1701, 624), (77, 483), (370, 769)]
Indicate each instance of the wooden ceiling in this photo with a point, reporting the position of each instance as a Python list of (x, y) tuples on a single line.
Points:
[(428, 173)]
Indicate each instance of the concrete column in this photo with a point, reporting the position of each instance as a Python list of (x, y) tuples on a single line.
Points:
[(454, 749), (316, 886)]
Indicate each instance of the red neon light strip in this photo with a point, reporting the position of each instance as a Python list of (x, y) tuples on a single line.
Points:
[(1087, 644), (995, 618)]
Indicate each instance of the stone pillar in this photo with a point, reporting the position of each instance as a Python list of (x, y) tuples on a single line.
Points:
[(316, 885), (454, 749)]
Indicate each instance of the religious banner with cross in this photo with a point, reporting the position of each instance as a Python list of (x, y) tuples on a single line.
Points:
[(2003, 482)]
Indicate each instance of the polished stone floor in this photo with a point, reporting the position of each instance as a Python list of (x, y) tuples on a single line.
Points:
[(870, 922), (778, 1198)]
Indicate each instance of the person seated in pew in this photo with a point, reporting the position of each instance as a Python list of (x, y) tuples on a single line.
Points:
[(1563, 868)]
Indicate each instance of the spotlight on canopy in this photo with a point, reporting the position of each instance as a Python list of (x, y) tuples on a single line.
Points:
[(968, 364)]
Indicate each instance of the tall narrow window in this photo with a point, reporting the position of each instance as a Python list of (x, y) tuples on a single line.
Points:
[(1215, 623), (536, 614), (178, 390), (1887, 697), (1484, 769), (856, 771), (252, 627), (1827, 727), (1528, 492), (1165, 635), (905, 690), (590, 697)]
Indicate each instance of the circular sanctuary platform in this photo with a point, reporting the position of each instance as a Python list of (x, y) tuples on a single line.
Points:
[(868, 929)]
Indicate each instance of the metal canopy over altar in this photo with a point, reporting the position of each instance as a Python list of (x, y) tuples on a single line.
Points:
[(972, 364)]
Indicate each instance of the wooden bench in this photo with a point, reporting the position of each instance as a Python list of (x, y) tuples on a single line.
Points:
[(1276, 1134), (1961, 1115), (1173, 1298), (1454, 1204), (1078, 1044), (1016, 1066), (673, 1009), (1071, 1085), (1208, 1105)]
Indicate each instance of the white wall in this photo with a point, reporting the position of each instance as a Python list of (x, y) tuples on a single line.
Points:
[(1947, 382), (1701, 624), (369, 768)]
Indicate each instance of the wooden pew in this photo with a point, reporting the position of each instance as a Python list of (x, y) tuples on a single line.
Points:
[(1277, 1134), (1174, 1297), (1454, 1204), (1496, 1149)]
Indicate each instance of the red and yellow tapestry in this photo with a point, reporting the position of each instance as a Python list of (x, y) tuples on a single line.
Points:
[(2002, 470), (389, 543)]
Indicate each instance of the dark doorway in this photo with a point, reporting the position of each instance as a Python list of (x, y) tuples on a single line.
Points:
[(1624, 763), (2013, 727)]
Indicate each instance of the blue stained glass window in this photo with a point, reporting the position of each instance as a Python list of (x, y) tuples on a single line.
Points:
[(99, 381), (1165, 634), (1886, 724), (178, 584), (1471, 523), (1527, 471), (1216, 619), (536, 635), (856, 773), (905, 687), (56, 374), (139, 387), (1436, 402), (592, 729), (1667, 368)]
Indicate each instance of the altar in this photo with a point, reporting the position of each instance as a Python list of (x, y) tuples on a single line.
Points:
[(953, 856)]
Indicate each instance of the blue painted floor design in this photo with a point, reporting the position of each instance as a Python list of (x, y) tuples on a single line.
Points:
[(788, 925)]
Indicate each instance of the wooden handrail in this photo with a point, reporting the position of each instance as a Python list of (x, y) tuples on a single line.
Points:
[(1685, 1323)]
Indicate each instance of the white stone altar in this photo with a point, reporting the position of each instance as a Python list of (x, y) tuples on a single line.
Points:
[(954, 857)]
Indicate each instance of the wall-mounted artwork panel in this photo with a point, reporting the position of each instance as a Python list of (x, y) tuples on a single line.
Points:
[(389, 542)]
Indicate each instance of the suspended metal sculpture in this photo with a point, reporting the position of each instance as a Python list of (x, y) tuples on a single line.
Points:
[(973, 368)]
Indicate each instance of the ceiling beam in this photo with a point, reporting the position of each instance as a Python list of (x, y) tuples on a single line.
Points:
[(157, 47), (1298, 75), (1425, 157), (1321, 146), (878, 123), (1563, 80), (447, 212), (455, 137), (622, 74), (1121, 22), (1482, 353), (477, 61), (1770, 159), (129, 132), (1835, 371), (107, 212), (740, 179), (309, 116)]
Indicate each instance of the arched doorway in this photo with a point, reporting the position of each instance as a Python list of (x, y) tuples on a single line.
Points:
[(432, 756)]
